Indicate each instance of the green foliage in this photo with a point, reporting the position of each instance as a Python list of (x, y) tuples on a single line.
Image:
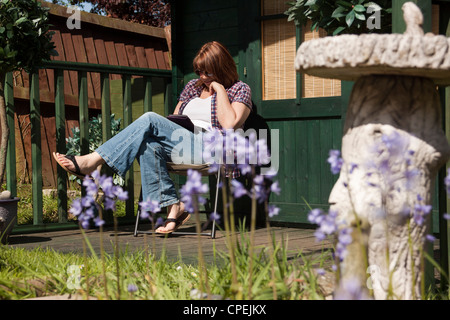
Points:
[(340, 16), (25, 39), (95, 135)]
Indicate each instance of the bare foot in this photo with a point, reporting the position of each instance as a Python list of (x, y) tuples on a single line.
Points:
[(87, 163), (175, 211)]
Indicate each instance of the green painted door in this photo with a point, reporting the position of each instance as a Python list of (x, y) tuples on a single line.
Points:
[(308, 112)]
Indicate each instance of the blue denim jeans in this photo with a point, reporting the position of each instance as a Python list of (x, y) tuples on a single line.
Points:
[(153, 140)]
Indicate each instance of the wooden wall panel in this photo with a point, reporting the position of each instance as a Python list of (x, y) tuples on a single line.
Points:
[(90, 44), (307, 181), (96, 44)]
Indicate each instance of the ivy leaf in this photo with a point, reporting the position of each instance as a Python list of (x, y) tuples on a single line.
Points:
[(338, 30), (359, 8), (350, 18), (360, 16), (338, 13), (344, 3), (21, 20)]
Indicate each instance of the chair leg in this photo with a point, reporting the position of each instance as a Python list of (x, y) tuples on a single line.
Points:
[(137, 222), (138, 214)]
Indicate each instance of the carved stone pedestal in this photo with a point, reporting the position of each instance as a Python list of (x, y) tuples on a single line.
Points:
[(393, 147)]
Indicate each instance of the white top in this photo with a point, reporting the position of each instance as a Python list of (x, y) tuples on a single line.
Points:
[(199, 111)]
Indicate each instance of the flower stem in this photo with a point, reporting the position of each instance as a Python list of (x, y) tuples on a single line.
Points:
[(202, 268), (234, 282), (252, 236), (269, 238), (116, 256), (102, 255)]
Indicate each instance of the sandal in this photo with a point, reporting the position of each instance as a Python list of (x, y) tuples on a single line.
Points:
[(182, 219), (77, 171)]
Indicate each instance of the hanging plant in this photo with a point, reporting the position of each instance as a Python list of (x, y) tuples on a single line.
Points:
[(337, 17)]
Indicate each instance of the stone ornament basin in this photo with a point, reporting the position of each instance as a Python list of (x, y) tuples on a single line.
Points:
[(392, 148), (348, 57)]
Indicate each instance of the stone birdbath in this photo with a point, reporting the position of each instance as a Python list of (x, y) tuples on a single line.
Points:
[(392, 148)]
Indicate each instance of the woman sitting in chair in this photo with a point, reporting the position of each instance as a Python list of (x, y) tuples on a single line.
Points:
[(217, 99)]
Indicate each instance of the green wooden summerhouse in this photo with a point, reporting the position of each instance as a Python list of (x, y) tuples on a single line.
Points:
[(309, 112)]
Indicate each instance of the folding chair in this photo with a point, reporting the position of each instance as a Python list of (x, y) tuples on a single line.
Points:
[(181, 169)]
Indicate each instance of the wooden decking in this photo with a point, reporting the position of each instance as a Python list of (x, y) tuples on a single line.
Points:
[(176, 247)]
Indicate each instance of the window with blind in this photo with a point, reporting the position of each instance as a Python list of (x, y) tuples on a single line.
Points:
[(279, 50)]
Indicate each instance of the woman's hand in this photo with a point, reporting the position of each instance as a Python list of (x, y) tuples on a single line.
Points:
[(215, 87)]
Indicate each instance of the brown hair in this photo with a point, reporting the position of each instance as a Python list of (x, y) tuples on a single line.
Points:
[(215, 59)]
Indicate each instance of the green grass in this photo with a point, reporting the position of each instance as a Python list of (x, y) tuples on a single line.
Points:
[(38, 272), (50, 206)]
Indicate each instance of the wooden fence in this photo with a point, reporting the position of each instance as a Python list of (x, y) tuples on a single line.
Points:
[(84, 71)]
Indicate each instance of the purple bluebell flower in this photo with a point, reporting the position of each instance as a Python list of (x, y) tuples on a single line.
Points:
[(420, 213), (99, 222), (76, 207), (273, 210), (335, 161), (315, 216), (84, 220), (238, 189), (86, 207), (396, 144), (351, 289), (132, 288), (107, 185), (320, 271), (110, 204), (328, 225), (447, 182), (344, 239), (259, 189), (152, 206), (319, 235), (430, 238), (87, 201), (245, 169), (213, 167), (214, 216), (353, 166), (119, 193), (90, 187), (159, 222), (446, 216), (89, 212), (275, 188), (193, 188)]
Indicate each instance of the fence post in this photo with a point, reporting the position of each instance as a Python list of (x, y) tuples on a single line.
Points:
[(83, 112), (60, 122), (11, 178), (127, 119), (36, 153), (148, 95)]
